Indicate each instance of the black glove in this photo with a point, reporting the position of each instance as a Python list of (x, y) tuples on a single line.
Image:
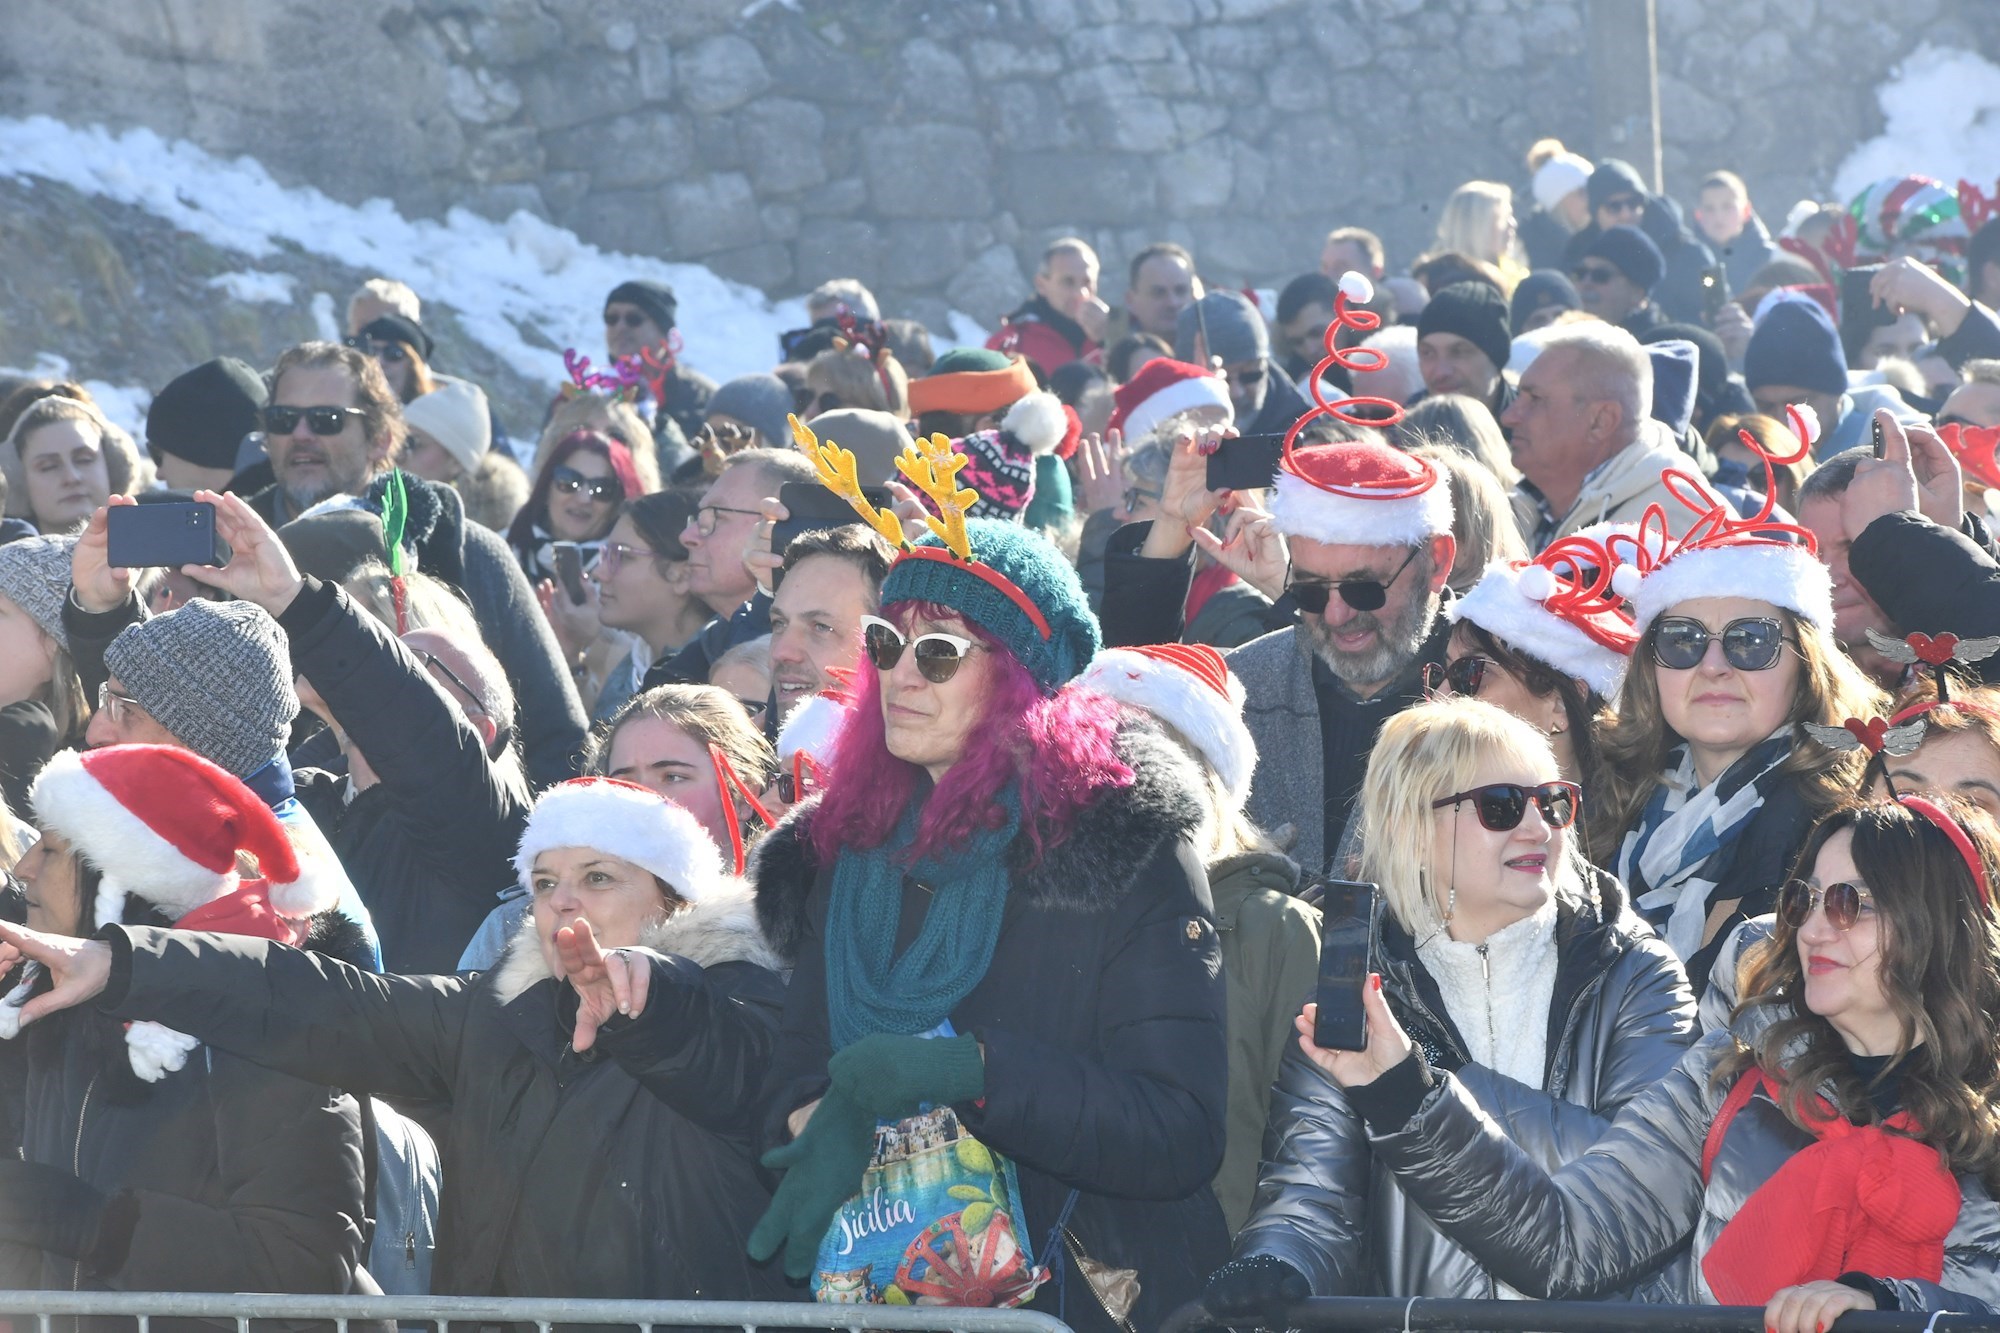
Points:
[(49, 1209), (1255, 1285)]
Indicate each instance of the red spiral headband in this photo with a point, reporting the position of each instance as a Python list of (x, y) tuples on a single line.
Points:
[(1715, 523), (1960, 839), (1351, 359)]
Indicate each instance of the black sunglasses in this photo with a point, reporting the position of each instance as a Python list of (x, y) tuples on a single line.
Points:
[(1502, 805), (1750, 644), (602, 489), (1462, 677), (1845, 903), (938, 655), (1624, 203), (321, 420), (1312, 595), (631, 319), (1594, 273), (392, 352)]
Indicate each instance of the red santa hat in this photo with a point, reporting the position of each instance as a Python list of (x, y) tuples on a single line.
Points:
[(1360, 493), (630, 822), (1190, 687), (166, 826), (1562, 609), (1721, 555), (1165, 388)]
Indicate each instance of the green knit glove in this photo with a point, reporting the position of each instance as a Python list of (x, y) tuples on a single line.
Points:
[(889, 1076), (823, 1169)]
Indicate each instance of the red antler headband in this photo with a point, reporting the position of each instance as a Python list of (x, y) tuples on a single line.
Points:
[(1960, 839)]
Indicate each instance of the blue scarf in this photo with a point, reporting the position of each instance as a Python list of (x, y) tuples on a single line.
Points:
[(868, 988)]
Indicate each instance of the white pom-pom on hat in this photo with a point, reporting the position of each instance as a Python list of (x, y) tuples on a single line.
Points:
[(1625, 581), (1356, 287), (1536, 583), (1809, 419)]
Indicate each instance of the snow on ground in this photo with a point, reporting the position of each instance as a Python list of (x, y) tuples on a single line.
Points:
[(252, 287), (1942, 109), (124, 404), (503, 279)]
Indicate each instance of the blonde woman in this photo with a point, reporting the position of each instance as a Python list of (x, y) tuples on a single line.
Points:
[(62, 460), (1511, 964), (1478, 220)]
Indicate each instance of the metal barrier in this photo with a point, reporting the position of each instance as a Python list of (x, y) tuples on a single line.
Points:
[(35, 1309), (1434, 1315)]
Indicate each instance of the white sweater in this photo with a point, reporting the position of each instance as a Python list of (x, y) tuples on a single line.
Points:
[(1498, 992)]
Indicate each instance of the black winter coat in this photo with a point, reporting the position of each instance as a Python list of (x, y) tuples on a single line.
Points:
[(1102, 1020), (626, 1172), (430, 846), (232, 1177)]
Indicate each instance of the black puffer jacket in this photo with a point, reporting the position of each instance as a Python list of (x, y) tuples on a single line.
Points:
[(1101, 1016), (1619, 1020), (231, 1177), (626, 1172)]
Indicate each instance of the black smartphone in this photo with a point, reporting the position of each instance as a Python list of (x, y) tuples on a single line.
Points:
[(1347, 924), (1881, 446), (568, 558), (166, 535), (1714, 292), (811, 507), (1245, 463)]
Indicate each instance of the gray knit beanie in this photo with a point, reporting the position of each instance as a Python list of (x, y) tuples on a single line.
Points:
[(216, 674), (34, 575)]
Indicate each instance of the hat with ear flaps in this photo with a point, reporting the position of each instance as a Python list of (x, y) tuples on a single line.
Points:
[(1721, 555), (167, 827), (1009, 581)]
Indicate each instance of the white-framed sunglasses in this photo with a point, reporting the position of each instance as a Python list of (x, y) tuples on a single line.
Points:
[(938, 654)]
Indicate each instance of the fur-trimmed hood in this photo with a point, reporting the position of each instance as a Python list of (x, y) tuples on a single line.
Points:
[(721, 928), (1090, 870)]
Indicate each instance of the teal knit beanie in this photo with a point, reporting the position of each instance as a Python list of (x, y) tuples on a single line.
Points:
[(1027, 565)]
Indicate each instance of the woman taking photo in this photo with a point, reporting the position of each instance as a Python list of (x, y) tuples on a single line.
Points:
[(600, 1080), (1864, 1053), (996, 910), (642, 590), (576, 495), (1710, 784), (1550, 1001), (147, 1163)]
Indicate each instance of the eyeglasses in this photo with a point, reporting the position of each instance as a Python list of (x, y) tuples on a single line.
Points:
[(613, 555), (1502, 805), (631, 319), (1845, 903), (756, 708), (1254, 375), (322, 420), (705, 519), (938, 655), (1134, 494), (603, 490), (1312, 595), (392, 352), (473, 700), (1750, 644), (800, 781), (1597, 274), (1624, 203), (1462, 677), (114, 704)]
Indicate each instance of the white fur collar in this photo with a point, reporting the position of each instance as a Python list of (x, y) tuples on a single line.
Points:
[(721, 928)]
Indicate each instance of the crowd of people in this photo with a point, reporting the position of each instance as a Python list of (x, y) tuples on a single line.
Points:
[(861, 831)]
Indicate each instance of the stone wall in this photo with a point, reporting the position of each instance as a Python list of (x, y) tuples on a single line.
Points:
[(931, 147)]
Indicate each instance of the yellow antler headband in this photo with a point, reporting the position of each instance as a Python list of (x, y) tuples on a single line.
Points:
[(930, 465)]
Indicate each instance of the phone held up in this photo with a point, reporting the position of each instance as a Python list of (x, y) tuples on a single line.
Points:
[(1348, 912), (568, 559), (163, 535), (1245, 462)]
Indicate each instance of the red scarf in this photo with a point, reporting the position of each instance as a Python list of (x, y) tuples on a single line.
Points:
[(1858, 1200)]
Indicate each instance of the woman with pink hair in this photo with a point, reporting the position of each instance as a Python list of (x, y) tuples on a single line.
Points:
[(1003, 953)]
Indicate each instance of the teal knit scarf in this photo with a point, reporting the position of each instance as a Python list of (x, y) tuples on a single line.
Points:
[(868, 988)]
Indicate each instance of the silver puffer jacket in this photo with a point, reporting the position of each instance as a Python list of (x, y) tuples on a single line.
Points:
[(1620, 1019), (1637, 1197)]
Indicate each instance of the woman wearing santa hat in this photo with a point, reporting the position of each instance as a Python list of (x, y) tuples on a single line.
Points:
[(1270, 940), (601, 1080), (1709, 781), (1544, 994), (150, 1163)]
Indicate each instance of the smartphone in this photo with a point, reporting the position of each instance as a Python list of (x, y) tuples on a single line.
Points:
[(814, 508), (1714, 292), (1245, 463), (1347, 925), (1880, 445), (164, 535), (568, 558)]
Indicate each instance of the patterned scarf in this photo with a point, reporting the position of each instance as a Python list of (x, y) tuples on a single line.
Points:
[(1671, 857), (868, 988)]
